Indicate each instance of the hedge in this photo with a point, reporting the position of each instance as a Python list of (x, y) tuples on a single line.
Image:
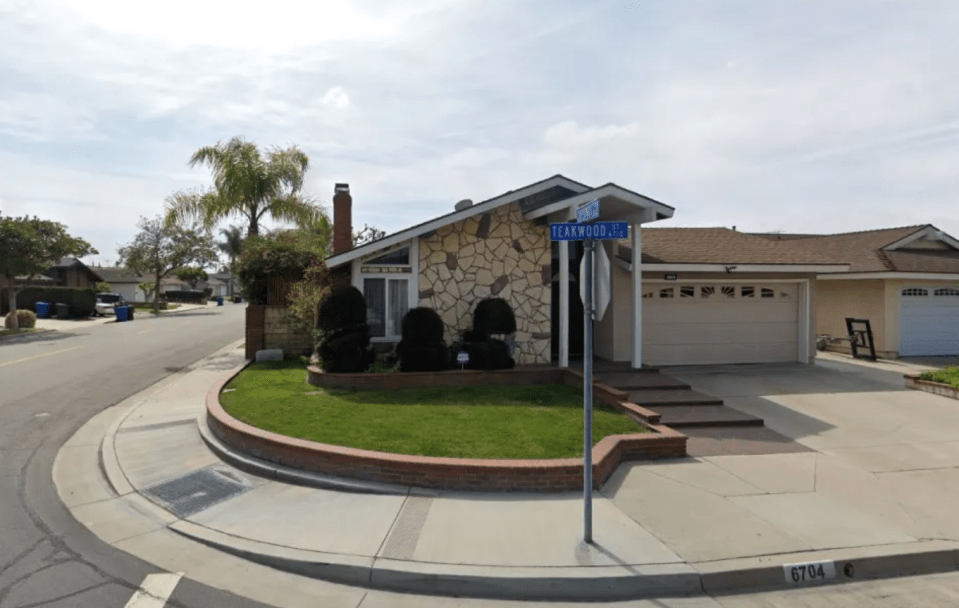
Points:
[(82, 300), (195, 296)]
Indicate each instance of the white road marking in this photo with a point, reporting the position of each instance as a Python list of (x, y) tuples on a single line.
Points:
[(38, 356), (155, 590)]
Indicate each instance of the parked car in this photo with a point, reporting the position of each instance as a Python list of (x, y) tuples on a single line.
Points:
[(107, 303)]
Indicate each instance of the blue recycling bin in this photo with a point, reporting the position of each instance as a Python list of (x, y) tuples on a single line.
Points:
[(43, 310), (219, 301), (122, 313)]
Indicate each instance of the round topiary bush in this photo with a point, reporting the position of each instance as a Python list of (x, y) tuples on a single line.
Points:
[(494, 316), (344, 307), (422, 348), (26, 319)]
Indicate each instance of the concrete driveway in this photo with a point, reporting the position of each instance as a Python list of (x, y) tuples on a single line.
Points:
[(882, 470)]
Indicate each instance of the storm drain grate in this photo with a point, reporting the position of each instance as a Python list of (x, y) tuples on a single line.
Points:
[(194, 492)]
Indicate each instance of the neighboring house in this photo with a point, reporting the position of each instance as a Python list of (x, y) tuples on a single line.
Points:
[(124, 282), (220, 283), (904, 280), (700, 296), (71, 272)]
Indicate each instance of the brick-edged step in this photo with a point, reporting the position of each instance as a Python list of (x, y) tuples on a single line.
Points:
[(679, 416), (627, 381), (653, 397)]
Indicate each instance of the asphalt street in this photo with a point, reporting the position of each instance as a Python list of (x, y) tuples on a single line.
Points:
[(50, 384)]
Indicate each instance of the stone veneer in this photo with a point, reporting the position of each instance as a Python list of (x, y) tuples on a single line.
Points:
[(495, 254)]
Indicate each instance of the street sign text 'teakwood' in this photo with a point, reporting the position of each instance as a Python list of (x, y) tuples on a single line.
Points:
[(601, 231)]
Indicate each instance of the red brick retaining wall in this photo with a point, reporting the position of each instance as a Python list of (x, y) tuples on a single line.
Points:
[(452, 473), (929, 386)]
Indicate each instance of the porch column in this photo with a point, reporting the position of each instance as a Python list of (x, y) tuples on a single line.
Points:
[(563, 303), (637, 296)]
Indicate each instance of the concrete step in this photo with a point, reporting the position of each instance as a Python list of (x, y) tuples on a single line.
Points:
[(680, 416), (626, 381), (658, 397)]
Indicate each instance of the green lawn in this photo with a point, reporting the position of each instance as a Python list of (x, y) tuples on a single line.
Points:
[(948, 375), (514, 422)]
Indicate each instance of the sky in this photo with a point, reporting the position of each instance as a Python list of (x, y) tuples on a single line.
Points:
[(797, 116)]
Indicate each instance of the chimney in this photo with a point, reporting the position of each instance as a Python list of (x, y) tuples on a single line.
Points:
[(342, 219)]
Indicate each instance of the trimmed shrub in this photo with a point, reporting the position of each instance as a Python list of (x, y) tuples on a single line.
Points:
[(192, 296), (25, 319), (344, 336), (82, 300), (422, 348), (494, 316)]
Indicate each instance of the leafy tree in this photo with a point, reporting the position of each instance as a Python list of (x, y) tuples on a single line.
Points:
[(191, 275), (367, 235), (304, 303), (232, 246), (147, 287), (248, 185), (28, 246), (279, 254), (161, 249), (103, 287)]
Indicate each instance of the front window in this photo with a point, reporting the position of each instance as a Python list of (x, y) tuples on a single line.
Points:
[(387, 301)]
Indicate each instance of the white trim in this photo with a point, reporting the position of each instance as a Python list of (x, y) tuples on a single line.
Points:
[(563, 303), (414, 297), (416, 231), (741, 268), (804, 321), (922, 276), (638, 200), (637, 287), (929, 232), (723, 280)]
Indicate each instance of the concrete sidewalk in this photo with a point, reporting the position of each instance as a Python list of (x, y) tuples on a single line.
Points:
[(873, 497)]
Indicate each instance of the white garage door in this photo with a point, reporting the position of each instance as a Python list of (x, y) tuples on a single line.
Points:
[(929, 321), (705, 324)]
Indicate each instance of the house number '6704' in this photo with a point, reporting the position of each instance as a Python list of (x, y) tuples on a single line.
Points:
[(810, 572)]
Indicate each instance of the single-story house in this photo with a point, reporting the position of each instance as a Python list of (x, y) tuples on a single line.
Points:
[(220, 283), (124, 282), (67, 272), (71, 272), (698, 296), (904, 280)]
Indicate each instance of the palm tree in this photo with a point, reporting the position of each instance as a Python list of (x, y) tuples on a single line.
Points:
[(232, 246), (247, 185)]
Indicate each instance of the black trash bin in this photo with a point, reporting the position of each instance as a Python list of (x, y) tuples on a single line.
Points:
[(129, 312), (63, 311)]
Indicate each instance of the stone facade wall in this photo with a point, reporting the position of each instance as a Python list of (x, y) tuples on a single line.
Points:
[(495, 254)]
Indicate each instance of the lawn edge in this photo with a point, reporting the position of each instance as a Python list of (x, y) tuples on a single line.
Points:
[(462, 474)]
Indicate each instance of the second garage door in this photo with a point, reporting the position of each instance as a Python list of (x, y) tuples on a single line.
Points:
[(929, 321), (705, 324)]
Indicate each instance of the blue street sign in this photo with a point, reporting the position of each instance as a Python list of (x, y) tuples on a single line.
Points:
[(601, 231), (589, 211)]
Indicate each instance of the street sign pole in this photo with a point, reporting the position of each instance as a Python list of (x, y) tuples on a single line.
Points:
[(588, 396)]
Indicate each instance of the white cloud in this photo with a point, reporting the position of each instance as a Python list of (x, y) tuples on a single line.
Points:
[(752, 114), (336, 98)]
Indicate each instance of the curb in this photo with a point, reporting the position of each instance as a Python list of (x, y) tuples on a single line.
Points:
[(263, 468), (850, 565), (488, 582)]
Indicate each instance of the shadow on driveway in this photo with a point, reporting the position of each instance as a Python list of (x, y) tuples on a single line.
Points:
[(49, 335)]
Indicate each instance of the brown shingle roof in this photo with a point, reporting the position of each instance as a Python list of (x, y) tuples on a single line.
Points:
[(859, 249), (864, 251), (719, 246)]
